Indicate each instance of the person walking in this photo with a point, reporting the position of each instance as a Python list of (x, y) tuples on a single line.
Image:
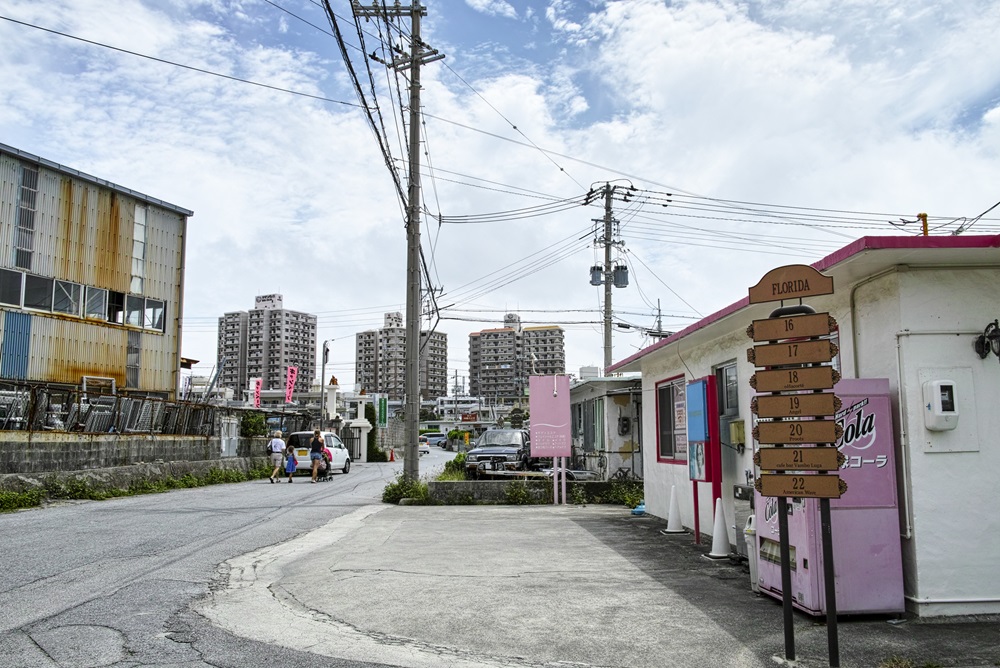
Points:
[(276, 447), (291, 462), (316, 452)]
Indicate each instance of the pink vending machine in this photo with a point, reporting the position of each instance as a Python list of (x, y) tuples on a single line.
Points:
[(865, 520)]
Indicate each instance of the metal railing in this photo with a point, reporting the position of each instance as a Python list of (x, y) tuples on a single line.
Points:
[(25, 407)]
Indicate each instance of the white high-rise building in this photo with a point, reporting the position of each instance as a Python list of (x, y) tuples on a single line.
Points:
[(380, 361), (501, 359), (264, 342)]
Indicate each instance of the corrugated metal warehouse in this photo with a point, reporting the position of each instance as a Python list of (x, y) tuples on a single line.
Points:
[(91, 280)]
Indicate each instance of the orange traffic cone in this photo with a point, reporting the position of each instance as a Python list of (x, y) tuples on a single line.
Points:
[(392, 454)]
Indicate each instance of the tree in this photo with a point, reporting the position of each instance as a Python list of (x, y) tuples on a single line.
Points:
[(374, 454), (252, 423)]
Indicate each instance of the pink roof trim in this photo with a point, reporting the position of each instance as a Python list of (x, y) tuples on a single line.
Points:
[(833, 259)]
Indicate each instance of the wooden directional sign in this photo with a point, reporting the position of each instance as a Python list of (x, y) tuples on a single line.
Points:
[(792, 352), (788, 379), (793, 281), (806, 485), (820, 404), (790, 327), (795, 432), (814, 458)]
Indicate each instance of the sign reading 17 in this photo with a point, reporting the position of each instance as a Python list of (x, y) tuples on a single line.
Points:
[(800, 352)]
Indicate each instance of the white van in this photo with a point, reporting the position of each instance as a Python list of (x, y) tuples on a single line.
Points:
[(335, 454)]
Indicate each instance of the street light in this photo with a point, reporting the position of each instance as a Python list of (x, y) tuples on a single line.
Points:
[(322, 384)]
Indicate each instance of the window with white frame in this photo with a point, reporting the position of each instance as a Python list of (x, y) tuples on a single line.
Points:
[(154, 315), (67, 298), (96, 305), (671, 419), (134, 310), (37, 292), (10, 287), (138, 249), (726, 381), (24, 233)]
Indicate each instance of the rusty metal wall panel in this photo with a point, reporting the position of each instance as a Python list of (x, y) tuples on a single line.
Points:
[(164, 250), (84, 233), (66, 350)]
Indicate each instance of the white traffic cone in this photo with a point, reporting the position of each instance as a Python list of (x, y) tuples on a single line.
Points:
[(720, 539), (674, 515)]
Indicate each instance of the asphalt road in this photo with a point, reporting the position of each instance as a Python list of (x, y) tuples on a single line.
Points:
[(110, 583)]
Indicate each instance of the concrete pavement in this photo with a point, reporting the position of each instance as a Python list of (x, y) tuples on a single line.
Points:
[(490, 586)]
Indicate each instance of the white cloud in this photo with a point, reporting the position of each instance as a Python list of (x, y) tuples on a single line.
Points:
[(811, 103), (493, 8)]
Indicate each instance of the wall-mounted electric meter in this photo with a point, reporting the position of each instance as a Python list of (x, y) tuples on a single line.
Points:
[(940, 405)]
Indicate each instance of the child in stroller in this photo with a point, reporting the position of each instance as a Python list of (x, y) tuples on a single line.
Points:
[(324, 471)]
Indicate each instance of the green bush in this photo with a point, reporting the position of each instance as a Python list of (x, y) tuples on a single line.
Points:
[(577, 494), (456, 465), (15, 500), (406, 488), (252, 423), (518, 494), (627, 492)]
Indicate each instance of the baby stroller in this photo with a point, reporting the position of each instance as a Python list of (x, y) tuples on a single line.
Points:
[(325, 470)]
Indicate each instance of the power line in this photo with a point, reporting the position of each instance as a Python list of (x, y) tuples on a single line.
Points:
[(181, 65)]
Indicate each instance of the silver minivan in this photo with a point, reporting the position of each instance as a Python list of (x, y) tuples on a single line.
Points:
[(335, 454)]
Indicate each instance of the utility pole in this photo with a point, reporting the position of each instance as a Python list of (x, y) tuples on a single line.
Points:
[(418, 56), (608, 220)]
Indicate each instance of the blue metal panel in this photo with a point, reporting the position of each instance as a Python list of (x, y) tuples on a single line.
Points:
[(16, 345), (697, 413)]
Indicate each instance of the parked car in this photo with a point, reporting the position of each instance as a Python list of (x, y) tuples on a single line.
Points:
[(499, 449), (335, 455), (422, 447), (434, 438)]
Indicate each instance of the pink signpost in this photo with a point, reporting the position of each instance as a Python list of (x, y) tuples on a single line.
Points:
[(550, 430)]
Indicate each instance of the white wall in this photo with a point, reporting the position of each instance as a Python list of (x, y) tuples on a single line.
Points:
[(954, 513)]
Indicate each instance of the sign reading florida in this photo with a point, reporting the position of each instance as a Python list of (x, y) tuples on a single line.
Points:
[(549, 407)]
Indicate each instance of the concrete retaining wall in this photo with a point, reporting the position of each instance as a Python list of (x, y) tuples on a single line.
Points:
[(123, 476), (35, 453)]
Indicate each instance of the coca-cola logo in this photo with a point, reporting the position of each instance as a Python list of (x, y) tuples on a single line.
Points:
[(859, 427), (770, 508)]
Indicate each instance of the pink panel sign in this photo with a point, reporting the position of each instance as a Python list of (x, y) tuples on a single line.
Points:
[(293, 374), (549, 406)]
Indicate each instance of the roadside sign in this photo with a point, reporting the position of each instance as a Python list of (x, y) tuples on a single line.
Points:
[(820, 404), (813, 458), (795, 432), (792, 281), (793, 326), (806, 485), (383, 412), (792, 352), (787, 380)]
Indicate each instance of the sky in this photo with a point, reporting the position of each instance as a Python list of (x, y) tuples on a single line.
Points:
[(739, 136)]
